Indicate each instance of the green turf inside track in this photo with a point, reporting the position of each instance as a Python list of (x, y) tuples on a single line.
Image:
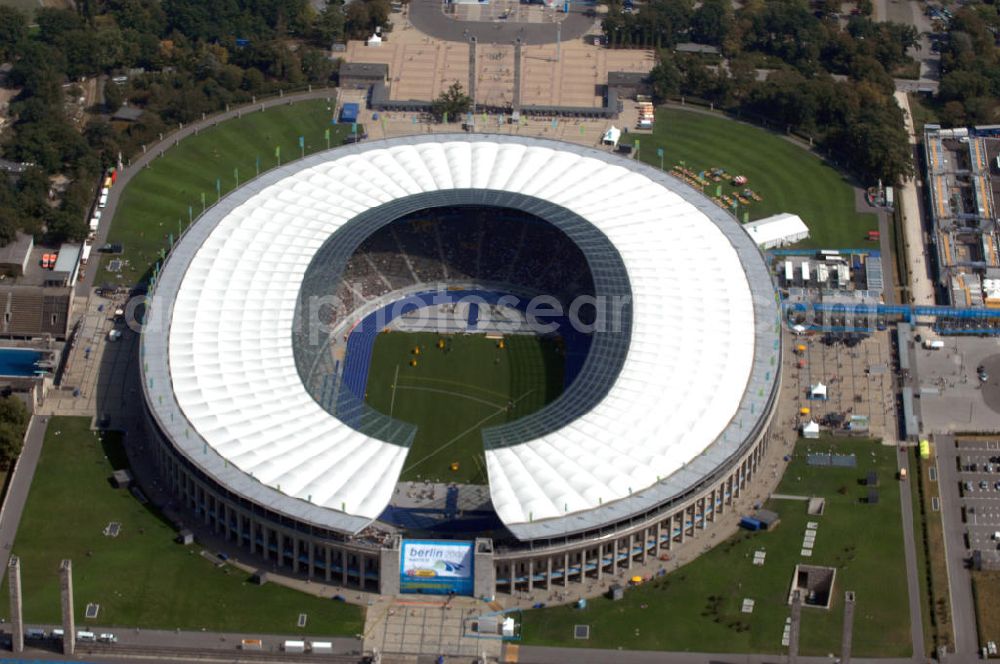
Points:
[(453, 393)]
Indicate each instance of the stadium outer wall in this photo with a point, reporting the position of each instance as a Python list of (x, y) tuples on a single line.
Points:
[(280, 544), (295, 545)]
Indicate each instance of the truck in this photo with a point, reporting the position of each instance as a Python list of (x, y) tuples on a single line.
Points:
[(86, 637), (902, 474), (933, 344), (294, 646), (321, 647), (251, 644)]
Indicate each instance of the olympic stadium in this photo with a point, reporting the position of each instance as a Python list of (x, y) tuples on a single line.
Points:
[(259, 353)]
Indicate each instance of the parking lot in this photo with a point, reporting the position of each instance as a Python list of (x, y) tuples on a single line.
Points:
[(979, 488)]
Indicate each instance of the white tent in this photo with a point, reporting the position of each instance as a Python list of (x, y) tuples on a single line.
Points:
[(611, 136), (818, 391), (508, 627), (810, 430), (374, 40), (777, 230)]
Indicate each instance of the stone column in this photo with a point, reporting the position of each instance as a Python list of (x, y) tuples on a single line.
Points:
[(388, 569), (16, 615), (66, 595), (484, 571)]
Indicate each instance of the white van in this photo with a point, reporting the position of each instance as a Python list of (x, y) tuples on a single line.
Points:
[(57, 634), (321, 647), (86, 637), (294, 646), (103, 203)]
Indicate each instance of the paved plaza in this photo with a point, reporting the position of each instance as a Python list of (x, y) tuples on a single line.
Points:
[(859, 381), (571, 73), (429, 626), (950, 396)]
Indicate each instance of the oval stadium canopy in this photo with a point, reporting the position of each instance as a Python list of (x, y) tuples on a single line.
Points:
[(221, 381)]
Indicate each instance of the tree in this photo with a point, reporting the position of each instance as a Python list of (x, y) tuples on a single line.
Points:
[(666, 76), (112, 96), (13, 423), (13, 30), (453, 102), (329, 25)]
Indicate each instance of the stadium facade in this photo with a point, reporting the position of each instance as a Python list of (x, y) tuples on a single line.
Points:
[(661, 429)]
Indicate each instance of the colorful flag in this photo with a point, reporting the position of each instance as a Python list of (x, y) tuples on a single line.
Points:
[(659, 152), (718, 190), (277, 152), (446, 117), (326, 134), (218, 186), (302, 142)]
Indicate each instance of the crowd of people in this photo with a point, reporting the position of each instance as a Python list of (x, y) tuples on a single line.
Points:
[(465, 244)]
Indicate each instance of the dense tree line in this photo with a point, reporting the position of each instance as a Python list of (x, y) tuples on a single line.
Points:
[(13, 424), (795, 67), (970, 63), (183, 58)]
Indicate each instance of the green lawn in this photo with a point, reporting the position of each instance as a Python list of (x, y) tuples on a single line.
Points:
[(787, 177), (456, 391), (141, 578), (697, 607), (155, 203)]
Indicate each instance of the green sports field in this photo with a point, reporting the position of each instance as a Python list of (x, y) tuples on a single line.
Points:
[(155, 203), (141, 578), (454, 392), (787, 177)]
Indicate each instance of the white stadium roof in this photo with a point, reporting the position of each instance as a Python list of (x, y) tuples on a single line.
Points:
[(221, 380)]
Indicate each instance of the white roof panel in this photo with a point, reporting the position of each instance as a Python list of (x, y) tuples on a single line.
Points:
[(235, 382)]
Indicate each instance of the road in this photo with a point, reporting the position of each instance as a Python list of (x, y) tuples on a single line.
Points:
[(963, 609), (538, 655), (427, 17), (917, 267), (17, 492), (910, 12), (910, 556)]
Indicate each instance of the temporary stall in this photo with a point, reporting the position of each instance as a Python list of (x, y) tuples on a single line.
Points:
[(818, 391), (508, 627), (810, 430), (612, 136), (777, 230)]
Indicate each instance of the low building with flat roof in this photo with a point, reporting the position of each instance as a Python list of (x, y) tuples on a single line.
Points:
[(67, 266), (14, 256), (358, 75)]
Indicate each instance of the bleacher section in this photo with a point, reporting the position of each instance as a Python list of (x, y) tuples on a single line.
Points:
[(34, 312), (465, 244)]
